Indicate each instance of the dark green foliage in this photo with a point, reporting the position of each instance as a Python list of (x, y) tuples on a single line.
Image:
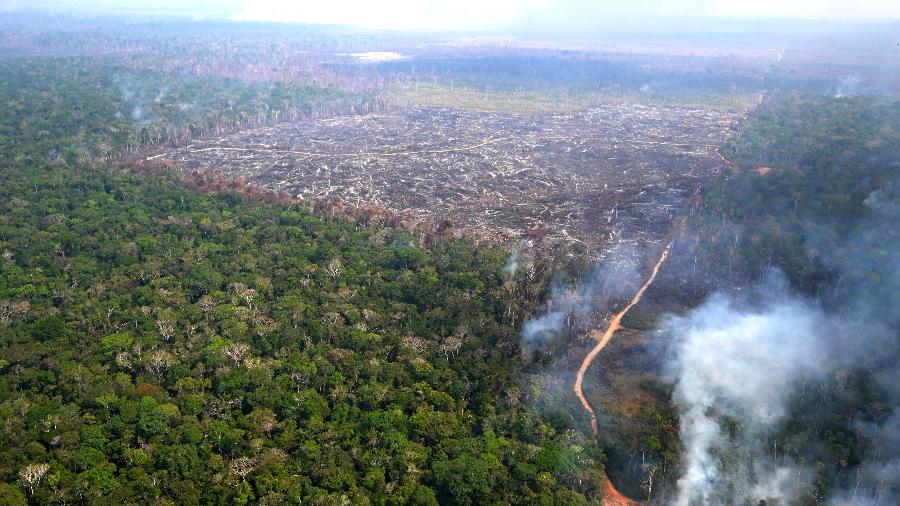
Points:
[(827, 156), (168, 346), (810, 216), (67, 109), (48, 328), (637, 320), (141, 362), (11, 495)]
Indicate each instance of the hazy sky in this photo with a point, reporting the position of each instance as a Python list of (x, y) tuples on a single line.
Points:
[(493, 14), (485, 14)]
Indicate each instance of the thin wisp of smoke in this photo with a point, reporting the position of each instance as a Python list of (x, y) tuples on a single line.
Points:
[(615, 277)]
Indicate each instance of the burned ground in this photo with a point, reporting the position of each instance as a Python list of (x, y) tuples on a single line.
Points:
[(617, 173)]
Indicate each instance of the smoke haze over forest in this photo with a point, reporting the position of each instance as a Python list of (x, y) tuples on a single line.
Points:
[(540, 16)]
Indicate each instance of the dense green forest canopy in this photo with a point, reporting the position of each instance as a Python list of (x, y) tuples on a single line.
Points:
[(162, 345), (159, 344), (822, 157), (825, 215), (81, 108)]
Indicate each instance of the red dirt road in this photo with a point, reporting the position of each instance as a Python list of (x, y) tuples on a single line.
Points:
[(613, 496)]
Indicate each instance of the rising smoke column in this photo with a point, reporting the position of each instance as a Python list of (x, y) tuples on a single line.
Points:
[(737, 360)]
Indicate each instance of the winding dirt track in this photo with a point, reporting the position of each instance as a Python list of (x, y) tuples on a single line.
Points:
[(613, 496)]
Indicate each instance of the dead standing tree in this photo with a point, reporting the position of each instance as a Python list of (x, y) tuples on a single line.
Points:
[(32, 475), (334, 268)]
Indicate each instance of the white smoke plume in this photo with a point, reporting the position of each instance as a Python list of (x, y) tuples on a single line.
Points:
[(512, 264), (737, 361), (615, 277), (161, 95), (848, 86)]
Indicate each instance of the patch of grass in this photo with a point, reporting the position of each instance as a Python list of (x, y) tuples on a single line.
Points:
[(550, 101), (636, 320)]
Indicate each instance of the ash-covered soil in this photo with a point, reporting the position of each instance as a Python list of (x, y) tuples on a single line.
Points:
[(613, 174)]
